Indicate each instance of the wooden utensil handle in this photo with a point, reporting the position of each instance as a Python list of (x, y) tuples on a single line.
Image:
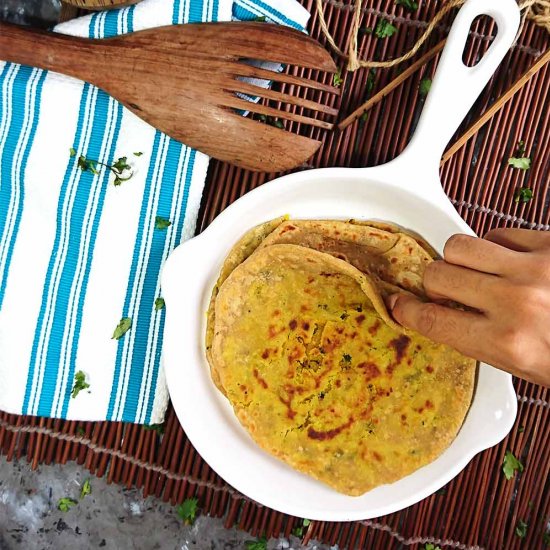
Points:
[(48, 50)]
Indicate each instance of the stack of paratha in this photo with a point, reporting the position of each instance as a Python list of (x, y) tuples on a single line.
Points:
[(301, 344)]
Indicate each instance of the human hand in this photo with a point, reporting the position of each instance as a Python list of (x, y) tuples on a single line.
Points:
[(505, 277)]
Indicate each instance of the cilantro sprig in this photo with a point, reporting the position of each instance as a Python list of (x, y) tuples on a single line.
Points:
[(120, 168)]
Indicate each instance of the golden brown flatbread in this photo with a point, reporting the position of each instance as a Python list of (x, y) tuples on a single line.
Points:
[(393, 256), (322, 377)]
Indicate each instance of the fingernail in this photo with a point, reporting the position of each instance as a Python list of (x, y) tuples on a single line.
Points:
[(391, 301)]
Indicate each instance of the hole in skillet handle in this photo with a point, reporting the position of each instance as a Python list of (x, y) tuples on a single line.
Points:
[(480, 37)]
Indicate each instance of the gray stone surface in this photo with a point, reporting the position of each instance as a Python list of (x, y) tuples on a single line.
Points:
[(38, 13), (111, 517)]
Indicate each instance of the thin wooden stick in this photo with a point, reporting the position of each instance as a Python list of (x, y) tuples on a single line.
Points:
[(376, 98), (502, 100)]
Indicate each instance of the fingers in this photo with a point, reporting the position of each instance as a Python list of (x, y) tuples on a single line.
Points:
[(479, 254), (461, 330), (467, 286), (520, 240)]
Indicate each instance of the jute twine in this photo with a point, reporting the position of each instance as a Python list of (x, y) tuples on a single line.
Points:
[(537, 11)]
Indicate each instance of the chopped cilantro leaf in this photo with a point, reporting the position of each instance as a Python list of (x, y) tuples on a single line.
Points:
[(306, 522), (345, 362), (523, 194), (65, 504), (523, 163), (159, 303), (337, 79), (79, 383), (162, 223), (275, 122), (138, 154), (260, 18), (520, 148), (87, 165), (86, 489), (118, 180), (187, 510), (521, 529), (371, 79), (121, 164), (260, 544), (410, 5), (72, 152), (430, 546), (384, 29), (159, 428), (521, 429), (424, 87), (510, 465), (122, 328)]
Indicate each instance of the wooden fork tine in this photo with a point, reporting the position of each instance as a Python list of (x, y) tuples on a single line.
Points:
[(235, 102), (242, 69), (250, 89)]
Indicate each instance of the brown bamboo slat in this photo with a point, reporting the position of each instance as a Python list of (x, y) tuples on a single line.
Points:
[(479, 508)]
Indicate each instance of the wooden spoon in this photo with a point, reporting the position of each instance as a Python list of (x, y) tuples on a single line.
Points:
[(183, 80)]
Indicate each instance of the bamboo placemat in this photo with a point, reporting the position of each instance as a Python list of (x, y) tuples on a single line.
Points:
[(479, 508)]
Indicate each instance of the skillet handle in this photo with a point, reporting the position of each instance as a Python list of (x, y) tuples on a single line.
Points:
[(455, 86)]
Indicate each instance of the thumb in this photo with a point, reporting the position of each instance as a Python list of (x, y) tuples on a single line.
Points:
[(459, 329), (406, 310)]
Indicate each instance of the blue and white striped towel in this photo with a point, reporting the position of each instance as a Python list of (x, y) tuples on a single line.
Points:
[(77, 254)]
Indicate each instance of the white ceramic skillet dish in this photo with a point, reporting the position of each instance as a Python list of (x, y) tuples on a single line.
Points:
[(406, 191)]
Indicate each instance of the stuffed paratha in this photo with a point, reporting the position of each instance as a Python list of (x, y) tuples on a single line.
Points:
[(321, 377), (393, 257)]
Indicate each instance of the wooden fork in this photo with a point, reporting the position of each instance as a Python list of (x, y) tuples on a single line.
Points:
[(185, 80)]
